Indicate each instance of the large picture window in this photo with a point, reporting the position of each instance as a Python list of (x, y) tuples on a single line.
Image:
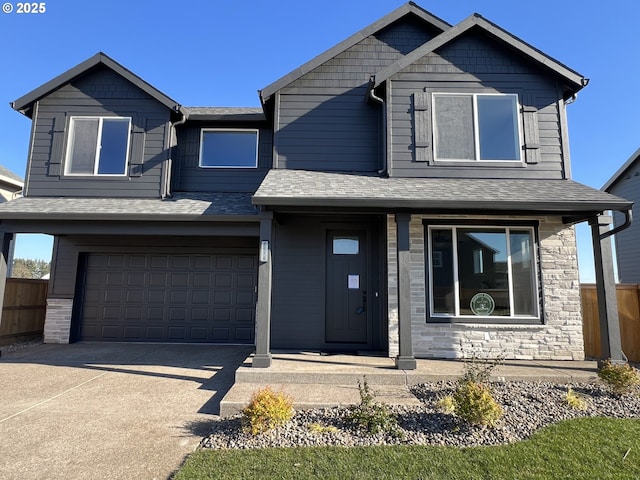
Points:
[(480, 272), (476, 127), (98, 146), (229, 148)]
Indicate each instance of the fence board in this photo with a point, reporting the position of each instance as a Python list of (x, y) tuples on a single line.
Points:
[(23, 313), (628, 297)]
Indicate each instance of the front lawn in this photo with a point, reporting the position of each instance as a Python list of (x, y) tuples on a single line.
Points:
[(586, 448)]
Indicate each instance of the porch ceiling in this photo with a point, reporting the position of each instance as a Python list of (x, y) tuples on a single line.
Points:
[(301, 188)]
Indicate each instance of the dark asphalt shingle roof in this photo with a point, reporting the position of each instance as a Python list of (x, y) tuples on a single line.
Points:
[(305, 188), (225, 113), (5, 172), (180, 207)]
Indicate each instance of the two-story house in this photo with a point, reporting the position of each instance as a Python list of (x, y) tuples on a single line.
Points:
[(407, 191)]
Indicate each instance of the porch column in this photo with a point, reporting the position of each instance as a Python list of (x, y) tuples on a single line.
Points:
[(610, 343), (262, 357), (405, 360), (6, 241)]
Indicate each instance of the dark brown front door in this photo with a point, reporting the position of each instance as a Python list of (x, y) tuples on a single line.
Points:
[(346, 287)]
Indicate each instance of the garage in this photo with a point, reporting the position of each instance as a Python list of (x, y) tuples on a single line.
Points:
[(167, 297)]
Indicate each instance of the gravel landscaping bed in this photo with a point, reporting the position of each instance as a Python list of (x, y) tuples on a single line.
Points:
[(527, 407)]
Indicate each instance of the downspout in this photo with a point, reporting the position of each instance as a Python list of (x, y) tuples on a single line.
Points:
[(628, 219), (172, 141), (380, 100)]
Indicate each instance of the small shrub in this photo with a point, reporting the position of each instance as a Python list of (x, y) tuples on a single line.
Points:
[(447, 405), (267, 410), (475, 405), (372, 417), (575, 401), (479, 371), (621, 378), (319, 428)]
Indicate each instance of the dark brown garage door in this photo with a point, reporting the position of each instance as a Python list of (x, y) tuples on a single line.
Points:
[(207, 298)]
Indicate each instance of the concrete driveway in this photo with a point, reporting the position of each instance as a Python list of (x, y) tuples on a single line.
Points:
[(108, 411)]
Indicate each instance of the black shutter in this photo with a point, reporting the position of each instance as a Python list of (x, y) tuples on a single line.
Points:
[(531, 135), (422, 127), (136, 158), (57, 145)]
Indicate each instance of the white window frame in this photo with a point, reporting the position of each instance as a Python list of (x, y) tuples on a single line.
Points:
[(96, 164), (203, 131), (476, 135), (456, 281)]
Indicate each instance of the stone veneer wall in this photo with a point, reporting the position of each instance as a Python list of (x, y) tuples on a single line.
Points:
[(57, 322), (559, 338)]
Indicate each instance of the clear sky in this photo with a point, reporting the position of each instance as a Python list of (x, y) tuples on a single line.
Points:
[(220, 52)]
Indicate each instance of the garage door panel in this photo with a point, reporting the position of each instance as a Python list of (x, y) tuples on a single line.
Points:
[(169, 298)]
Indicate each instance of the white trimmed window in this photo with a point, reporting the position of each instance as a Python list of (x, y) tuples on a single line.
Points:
[(224, 148), (98, 146), (473, 127), (482, 272)]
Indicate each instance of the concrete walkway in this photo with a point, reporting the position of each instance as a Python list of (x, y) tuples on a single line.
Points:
[(108, 411), (318, 380)]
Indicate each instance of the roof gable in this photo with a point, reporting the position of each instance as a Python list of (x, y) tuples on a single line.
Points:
[(630, 163), (572, 80), (409, 8), (24, 104)]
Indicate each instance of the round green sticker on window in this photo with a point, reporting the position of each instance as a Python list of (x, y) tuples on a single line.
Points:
[(482, 304)]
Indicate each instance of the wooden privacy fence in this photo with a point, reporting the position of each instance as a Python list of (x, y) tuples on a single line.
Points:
[(25, 305), (628, 311)]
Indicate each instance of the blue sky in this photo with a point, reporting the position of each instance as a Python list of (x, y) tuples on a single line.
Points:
[(220, 52)]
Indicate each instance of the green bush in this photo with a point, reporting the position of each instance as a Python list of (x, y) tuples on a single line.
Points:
[(621, 378), (475, 405), (369, 416), (267, 410)]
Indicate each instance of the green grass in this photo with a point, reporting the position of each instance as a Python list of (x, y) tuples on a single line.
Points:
[(586, 448)]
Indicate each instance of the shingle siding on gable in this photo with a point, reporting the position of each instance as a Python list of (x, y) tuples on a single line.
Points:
[(627, 243), (100, 92), (189, 177), (473, 64), (325, 122)]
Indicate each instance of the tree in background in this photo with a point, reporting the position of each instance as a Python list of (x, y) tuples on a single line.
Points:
[(28, 268)]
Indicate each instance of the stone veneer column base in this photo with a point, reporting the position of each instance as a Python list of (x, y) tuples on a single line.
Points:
[(57, 323)]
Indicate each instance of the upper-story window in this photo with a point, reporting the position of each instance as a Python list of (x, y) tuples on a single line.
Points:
[(98, 146), (473, 127), (223, 148)]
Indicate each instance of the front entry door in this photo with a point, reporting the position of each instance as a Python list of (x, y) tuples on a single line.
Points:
[(346, 286)]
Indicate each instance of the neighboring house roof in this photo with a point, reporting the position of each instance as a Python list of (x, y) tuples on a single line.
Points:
[(629, 164), (11, 179), (24, 104), (409, 8), (572, 79), (181, 207), (312, 189), (231, 114)]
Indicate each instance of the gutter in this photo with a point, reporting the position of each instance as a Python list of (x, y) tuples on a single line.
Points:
[(380, 100)]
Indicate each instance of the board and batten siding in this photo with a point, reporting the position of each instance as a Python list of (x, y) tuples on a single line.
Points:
[(473, 64), (188, 176), (100, 92), (627, 244), (324, 121)]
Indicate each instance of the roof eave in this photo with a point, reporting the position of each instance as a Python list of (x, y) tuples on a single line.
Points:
[(635, 157), (573, 79), (24, 103), (410, 7)]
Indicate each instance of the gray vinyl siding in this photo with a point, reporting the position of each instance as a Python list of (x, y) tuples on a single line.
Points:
[(627, 242), (100, 92), (65, 260), (474, 64), (324, 121), (189, 177)]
